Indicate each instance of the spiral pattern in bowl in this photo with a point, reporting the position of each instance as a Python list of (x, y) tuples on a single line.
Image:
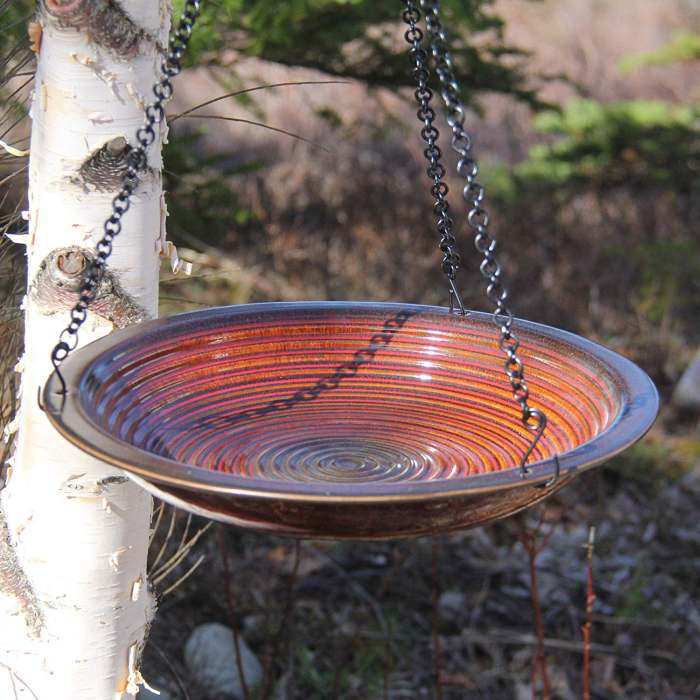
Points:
[(358, 396)]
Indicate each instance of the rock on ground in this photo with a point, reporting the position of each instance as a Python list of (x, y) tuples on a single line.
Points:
[(210, 655), (452, 602), (687, 392)]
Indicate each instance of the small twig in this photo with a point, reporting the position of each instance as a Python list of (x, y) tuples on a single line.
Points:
[(164, 546), (587, 627), (437, 646), (179, 555), (203, 276), (458, 680), (184, 577), (632, 622), (158, 517), (231, 602), (539, 625), (183, 300), (515, 638), (185, 532), (15, 173), (262, 125), (255, 89), (358, 589), (284, 628), (533, 548), (389, 665), (386, 681), (337, 671), (269, 283), (173, 671)]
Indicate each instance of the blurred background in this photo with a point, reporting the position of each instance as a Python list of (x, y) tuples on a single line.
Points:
[(585, 115)]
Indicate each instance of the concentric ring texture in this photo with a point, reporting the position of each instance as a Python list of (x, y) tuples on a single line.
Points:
[(343, 394)]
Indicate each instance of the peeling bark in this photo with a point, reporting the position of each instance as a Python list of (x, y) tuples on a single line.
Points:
[(15, 583), (34, 31)]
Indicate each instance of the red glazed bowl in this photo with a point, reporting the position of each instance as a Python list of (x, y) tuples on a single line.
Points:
[(345, 420)]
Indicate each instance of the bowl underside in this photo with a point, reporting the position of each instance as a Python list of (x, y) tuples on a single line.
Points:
[(280, 416)]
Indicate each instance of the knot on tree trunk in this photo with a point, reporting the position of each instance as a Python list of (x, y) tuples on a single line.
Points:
[(105, 168), (104, 21), (59, 279)]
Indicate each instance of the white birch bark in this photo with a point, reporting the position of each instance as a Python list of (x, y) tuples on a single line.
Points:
[(74, 603)]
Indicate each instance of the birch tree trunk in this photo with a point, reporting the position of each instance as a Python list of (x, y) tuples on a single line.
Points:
[(74, 601)]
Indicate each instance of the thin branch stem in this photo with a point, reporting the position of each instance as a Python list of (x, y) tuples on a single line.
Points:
[(177, 558), (173, 671), (587, 627), (160, 508), (245, 91), (437, 646), (263, 126), (184, 577), (533, 547), (186, 531), (231, 602), (14, 675), (284, 628), (164, 546)]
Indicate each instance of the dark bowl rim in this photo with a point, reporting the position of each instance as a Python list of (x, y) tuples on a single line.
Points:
[(639, 408)]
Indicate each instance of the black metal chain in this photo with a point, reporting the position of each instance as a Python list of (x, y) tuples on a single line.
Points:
[(433, 154), (136, 164), (477, 218)]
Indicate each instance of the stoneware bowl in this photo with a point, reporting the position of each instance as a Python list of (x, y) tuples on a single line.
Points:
[(345, 420)]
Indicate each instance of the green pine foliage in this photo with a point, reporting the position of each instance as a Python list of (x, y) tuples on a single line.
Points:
[(357, 39), (616, 143), (14, 15), (684, 47), (354, 39), (634, 167)]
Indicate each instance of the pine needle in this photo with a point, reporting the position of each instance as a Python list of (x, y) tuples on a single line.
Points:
[(254, 89), (260, 124)]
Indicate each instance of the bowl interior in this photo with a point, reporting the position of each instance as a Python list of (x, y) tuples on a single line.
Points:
[(343, 393)]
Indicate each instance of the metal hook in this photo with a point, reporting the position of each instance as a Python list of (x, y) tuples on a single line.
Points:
[(57, 372), (539, 430), (555, 477), (63, 393), (456, 296)]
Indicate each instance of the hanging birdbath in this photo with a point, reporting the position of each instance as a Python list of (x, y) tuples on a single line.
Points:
[(346, 419)]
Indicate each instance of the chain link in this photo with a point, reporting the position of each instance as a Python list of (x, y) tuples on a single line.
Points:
[(432, 152), (478, 220), (136, 163)]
